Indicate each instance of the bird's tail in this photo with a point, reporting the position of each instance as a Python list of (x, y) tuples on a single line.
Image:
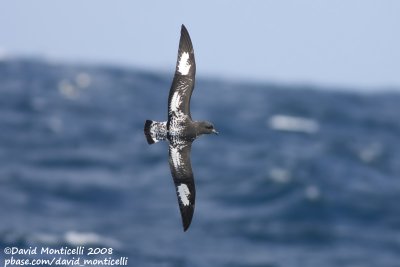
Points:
[(155, 131)]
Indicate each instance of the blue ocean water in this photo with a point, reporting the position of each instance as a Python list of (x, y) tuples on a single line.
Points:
[(297, 177)]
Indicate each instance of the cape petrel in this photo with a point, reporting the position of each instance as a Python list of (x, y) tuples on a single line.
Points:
[(180, 130)]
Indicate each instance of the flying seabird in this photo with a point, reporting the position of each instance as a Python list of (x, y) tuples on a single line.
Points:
[(180, 130)]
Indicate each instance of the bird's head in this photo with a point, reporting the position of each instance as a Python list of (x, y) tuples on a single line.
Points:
[(205, 127)]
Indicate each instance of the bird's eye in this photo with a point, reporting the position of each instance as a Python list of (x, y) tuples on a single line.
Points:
[(209, 127)]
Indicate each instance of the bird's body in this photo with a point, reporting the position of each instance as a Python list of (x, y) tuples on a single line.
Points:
[(180, 130)]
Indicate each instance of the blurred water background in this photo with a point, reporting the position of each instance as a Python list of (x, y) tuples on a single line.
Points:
[(299, 175)]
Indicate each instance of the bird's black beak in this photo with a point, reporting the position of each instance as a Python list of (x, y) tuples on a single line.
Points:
[(215, 131)]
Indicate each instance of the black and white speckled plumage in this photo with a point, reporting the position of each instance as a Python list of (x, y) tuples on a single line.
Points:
[(180, 130)]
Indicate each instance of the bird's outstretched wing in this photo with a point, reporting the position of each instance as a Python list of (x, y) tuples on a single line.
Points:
[(183, 83), (181, 170)]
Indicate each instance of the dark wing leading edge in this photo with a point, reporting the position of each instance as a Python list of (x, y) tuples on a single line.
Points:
[(183, 83), (181, 170)]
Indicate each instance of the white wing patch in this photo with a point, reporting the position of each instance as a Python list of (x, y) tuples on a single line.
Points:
[(184, 193), (183, 65), (175, 102), (176, 157), (178, 119)]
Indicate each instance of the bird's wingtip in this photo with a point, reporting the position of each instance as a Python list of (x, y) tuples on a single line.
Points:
[(187, 215), (186, 225), (183, 29)]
